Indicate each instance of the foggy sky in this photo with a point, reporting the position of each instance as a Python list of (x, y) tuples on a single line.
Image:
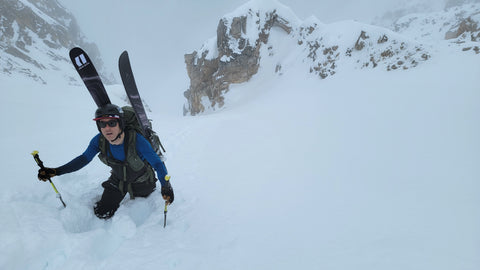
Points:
[(157, 33)]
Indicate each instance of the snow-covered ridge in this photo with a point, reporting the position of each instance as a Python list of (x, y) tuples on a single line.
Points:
[(457, 25), (261, 32), (35, 37), (323, 44), (326, 48)]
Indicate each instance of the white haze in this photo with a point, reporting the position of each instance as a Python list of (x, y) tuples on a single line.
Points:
[(365, 170), (157, 34)]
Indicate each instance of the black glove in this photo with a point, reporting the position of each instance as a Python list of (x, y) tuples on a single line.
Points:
[(46, 173), (167, 192)]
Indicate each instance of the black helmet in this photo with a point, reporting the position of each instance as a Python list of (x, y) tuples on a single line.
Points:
[(110, 111)]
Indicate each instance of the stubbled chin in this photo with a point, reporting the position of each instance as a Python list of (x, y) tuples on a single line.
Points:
[(109, 136)]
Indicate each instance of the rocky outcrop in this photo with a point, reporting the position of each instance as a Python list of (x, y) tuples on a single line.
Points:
[(236, 61), (35, 36), (234, 55), (458, 24), (372, 48), (466, 27)]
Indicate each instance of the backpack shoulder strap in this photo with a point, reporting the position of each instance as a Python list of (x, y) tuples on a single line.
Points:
[(102, 145)]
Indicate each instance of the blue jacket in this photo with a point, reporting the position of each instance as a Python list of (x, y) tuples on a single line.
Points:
[(144, 151)]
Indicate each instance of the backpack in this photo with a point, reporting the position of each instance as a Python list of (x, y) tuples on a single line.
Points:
[(132, 123)]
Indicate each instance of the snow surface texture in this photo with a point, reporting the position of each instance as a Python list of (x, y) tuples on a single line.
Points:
[(368, 169)]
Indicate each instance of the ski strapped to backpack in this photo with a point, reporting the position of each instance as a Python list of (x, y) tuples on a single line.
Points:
[(135, 115), (134, 97)]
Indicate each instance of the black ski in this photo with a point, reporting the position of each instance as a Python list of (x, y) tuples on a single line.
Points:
[(89, 75), (136, 102)]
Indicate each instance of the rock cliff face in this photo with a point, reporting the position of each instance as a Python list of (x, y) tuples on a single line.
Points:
[(35, 36), (237, 59), (234, 55), (466, 28)]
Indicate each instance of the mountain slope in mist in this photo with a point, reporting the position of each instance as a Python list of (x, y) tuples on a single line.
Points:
[(35, 39), (367, 169), (456, 26)]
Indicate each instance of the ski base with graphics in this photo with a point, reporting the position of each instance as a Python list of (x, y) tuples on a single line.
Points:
[(89, 75)]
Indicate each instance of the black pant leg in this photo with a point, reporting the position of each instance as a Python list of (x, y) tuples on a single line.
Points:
[(110, 201), (143, 189)]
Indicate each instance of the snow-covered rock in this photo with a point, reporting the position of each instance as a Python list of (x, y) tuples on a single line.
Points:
[(233, 56), (244, 39), (458, 23), (35, 37)]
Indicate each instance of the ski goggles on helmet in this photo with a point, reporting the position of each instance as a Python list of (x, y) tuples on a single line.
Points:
[(110, 116), (110, 123)]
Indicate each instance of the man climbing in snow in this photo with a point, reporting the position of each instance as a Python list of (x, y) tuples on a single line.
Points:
[(130, 156)]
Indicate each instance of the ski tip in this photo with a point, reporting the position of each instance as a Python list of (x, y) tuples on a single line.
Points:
[(123, 60), (124, 54), (76, 51), (34, 153)]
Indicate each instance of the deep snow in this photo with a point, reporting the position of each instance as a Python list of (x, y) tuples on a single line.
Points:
[(367, 169)]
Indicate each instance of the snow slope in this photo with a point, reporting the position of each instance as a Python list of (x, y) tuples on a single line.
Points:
[(367, 169), (432, 27)]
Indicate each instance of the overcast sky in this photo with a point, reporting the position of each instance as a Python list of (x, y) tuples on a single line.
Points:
[(157, 33)]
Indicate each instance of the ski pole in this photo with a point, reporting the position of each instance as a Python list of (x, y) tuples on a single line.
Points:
[(167, 178), (165, 215), (40, 164)]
